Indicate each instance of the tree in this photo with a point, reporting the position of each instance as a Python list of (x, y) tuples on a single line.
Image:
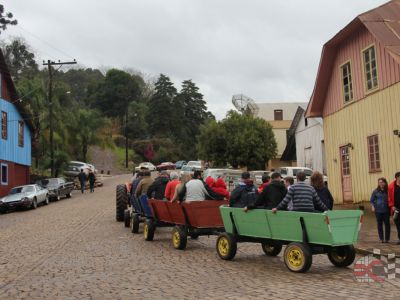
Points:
[(6, 19), (113, 94), (20, 60), (238, 140), (161, 111), (191, 111)]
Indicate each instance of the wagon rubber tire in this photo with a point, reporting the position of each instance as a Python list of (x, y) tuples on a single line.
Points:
[(271, 248), (121, 202), (149, 229), (298, 257), (127, 218), (34, 203), (179, 238), (226, 246), (135, 223), (342, 256)]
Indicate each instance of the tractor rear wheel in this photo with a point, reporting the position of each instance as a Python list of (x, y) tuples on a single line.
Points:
[(121, 202)]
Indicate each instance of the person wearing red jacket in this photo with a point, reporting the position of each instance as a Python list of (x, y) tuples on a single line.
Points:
[(266, 179), (220, 188), (394, 201)]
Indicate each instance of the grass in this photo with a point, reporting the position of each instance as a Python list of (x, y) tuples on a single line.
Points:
[(120, 153)]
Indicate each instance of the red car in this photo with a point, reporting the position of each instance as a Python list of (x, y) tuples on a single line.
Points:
[(166, 166)]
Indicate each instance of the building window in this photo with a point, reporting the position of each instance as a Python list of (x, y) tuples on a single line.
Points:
[(4, 128), (347, 82), (306, 122), (373, 154), (4, 174), (21, 133), (278, 114), (370, 69)]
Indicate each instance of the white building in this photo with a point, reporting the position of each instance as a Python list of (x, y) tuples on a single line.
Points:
[(306, 142), (280, 116)]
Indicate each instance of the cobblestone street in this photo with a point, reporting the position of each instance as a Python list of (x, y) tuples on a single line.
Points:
[(74, 249)]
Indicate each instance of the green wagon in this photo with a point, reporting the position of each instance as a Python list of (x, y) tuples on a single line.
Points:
[(305, 234)]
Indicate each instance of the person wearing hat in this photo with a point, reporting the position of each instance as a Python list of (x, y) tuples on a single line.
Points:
[(271, 195)]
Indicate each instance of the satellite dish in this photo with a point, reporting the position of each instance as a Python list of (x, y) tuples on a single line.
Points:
[(245, 105)]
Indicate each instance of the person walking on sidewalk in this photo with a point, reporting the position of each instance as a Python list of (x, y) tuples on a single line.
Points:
[(92, 179), (379, 202), (394, 201), (82, 180)]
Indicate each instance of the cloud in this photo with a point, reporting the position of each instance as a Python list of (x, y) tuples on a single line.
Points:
[(268, 50)]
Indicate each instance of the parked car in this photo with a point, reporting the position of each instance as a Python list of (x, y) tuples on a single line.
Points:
[(257, 176), (74, 168), (57, 187), (195, 164), (180, 163), (166, 166), (146, 165), (187, 170), (25, 196), (292, 171)]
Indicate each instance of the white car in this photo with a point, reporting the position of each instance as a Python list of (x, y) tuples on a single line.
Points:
[(25, 196), (292, 171), (195, 165), (146, 165), (74, 168)]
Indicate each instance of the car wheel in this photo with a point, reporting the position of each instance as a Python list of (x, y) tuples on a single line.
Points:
[(34, 203), (58, 197), (46, 200), (69, 195)]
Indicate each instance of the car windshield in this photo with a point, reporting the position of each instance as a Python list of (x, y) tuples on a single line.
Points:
[(186, 168), (22, 189), (75, 165), (51, 181)]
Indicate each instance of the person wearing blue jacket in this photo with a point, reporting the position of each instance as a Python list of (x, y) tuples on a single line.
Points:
[(379, 202)]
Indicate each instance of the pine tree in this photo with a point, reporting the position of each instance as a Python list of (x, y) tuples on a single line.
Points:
[(161, 111)]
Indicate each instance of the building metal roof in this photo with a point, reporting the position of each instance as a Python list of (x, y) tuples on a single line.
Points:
[(382, 22)]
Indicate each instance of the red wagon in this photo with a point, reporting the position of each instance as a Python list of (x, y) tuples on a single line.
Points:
[(192, 219)]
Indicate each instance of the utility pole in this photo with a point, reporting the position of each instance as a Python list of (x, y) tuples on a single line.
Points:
[(126, 137), (49, 64)]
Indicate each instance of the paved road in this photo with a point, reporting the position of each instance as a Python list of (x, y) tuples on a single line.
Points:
[(74, 249)]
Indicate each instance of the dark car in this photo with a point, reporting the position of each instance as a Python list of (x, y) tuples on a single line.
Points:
[(57, 187)]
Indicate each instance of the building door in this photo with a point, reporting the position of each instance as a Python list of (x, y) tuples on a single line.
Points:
[(346, 174)]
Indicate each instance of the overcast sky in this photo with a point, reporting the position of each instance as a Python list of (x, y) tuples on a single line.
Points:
[(268, 50)]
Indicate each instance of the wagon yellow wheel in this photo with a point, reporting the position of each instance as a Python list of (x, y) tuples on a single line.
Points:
[(148, 230), (298, 257), (226, 246), (342, 256), (179, 237), (271, 247)]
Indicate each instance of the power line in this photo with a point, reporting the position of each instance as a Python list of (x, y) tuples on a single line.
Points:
[(43, 41)]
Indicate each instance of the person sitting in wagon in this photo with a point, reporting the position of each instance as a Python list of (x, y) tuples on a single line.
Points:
[(303, 197), (245, 193), (194, 189), (271, 195)]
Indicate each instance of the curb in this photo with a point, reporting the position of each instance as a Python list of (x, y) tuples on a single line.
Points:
[(363, 251)]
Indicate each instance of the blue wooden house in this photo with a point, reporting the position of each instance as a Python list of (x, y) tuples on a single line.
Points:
[(15, 137)]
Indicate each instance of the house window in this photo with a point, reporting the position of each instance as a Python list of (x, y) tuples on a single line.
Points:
[(278, 114), (306, 122), (373, 154), (21, 133), (4, 174), (4, 125), (370, 69), (347, 82)]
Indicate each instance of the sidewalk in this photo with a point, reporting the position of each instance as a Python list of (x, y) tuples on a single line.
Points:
[(368, 239)]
